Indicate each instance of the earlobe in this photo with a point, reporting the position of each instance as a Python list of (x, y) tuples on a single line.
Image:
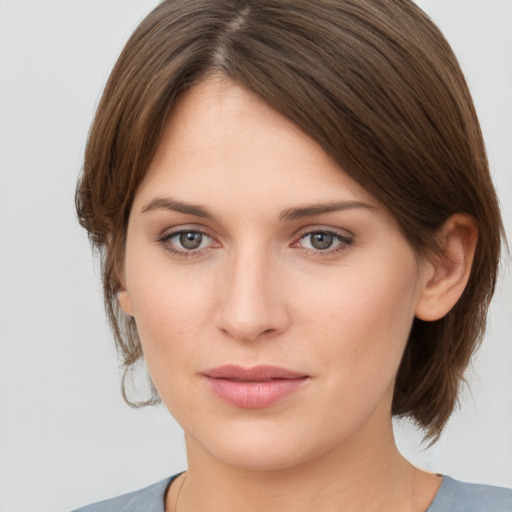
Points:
[(125, 302), (447, 274)]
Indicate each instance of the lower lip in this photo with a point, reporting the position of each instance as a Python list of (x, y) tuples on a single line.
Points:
[(254, 395)]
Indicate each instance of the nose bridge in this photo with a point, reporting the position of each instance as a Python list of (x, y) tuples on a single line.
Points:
[(249, 303)]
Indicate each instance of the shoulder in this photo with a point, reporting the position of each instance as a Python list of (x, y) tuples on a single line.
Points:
[(455, 496), (149, 499)]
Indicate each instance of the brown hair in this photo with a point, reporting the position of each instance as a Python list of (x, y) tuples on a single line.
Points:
[(375, 83)]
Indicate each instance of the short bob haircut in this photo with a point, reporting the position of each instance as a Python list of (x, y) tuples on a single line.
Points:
[(375, 83)]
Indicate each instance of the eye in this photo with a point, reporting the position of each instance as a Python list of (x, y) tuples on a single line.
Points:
[(320, 241), (190, 240), (324, 241), (186, 242)]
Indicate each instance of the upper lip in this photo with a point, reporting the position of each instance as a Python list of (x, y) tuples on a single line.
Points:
[(253, 374)]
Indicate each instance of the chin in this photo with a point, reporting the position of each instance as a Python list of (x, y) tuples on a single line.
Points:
[(264, 446), (258, 457)]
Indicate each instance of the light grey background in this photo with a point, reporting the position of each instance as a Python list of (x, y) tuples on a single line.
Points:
[(66, 437)]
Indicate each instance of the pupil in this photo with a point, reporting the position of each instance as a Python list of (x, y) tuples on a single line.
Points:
[(191, 240), (322, 240)]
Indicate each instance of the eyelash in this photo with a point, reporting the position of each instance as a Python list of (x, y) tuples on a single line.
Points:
[(164, 240), (344, 242)]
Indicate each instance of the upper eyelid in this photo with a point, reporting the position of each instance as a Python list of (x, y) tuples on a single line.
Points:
[(176, 230), (165, 237), (344, 233), (172, 234), (164, 241), (341, 238), (344, 237)]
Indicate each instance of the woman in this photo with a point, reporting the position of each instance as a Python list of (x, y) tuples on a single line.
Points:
[(300, 238)]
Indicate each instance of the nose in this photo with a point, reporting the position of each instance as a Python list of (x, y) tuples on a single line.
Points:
[(252, 299)]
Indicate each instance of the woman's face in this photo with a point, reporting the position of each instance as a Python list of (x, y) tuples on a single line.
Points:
[(273, 295)]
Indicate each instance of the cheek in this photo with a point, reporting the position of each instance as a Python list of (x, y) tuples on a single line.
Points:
[(362, 319), (171, 309), (167, 315)]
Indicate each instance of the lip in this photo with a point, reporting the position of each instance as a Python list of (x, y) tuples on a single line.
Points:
[(253, 388)]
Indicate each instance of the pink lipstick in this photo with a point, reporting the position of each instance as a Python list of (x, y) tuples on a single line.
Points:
[(253, 388)]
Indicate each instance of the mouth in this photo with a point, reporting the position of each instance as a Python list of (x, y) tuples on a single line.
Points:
[(253, 388)]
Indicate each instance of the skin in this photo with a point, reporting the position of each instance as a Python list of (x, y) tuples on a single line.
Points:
[(258, 290)]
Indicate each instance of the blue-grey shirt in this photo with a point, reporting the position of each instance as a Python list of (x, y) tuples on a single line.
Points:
[(453, 496)]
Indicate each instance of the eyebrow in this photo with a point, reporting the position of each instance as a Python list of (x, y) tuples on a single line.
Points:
[(318, 209), (167, 203)]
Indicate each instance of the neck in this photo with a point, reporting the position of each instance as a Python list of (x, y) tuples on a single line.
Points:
[(363, 474)]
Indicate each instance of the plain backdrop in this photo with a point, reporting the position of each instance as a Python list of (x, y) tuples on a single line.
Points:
[(66, 436)]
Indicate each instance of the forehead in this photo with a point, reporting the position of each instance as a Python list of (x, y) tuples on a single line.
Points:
[(223, 140)]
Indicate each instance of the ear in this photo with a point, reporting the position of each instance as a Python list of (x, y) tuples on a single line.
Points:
[(122, 295), (447, 273), (125, 302)]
